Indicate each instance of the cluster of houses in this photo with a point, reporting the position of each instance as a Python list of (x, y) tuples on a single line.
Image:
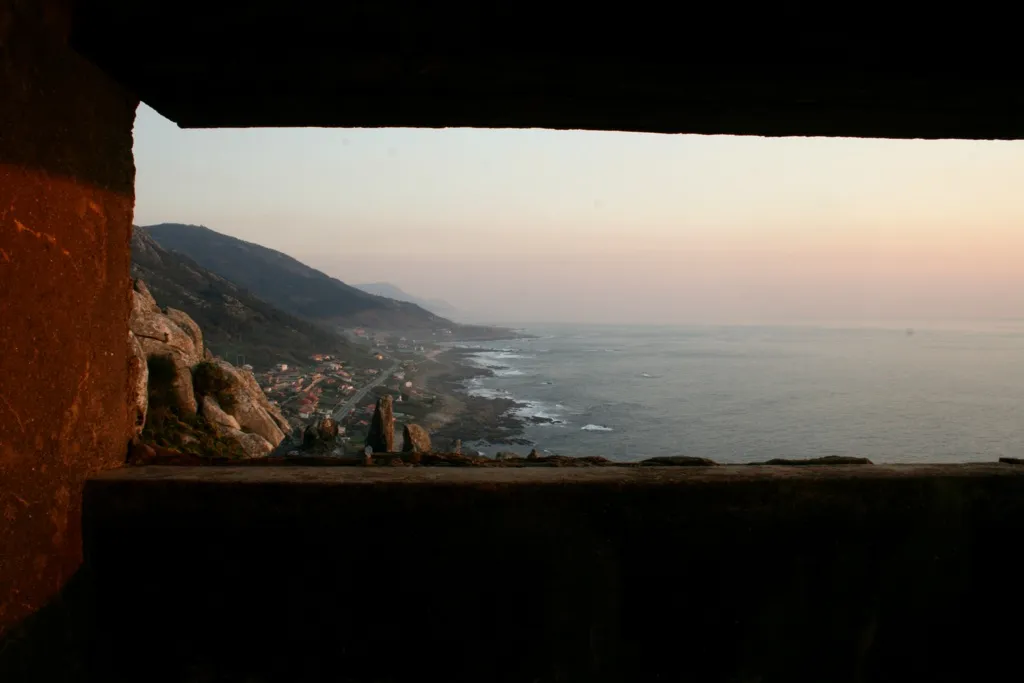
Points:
[(307, 393), (318, 388)]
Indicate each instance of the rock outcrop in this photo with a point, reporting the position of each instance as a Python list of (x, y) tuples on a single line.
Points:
[(327, 429), (678, 461), (186, 397), (415, 439), (167, 346), (381, 437), (826, 460), (321, 438), (138, 386), (235, 404), (254, 445), (215, 415), (189, 327)]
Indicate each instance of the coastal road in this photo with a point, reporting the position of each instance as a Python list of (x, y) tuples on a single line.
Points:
[(355, 398)]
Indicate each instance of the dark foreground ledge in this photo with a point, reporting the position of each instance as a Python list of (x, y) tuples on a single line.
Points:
[(882, 573)]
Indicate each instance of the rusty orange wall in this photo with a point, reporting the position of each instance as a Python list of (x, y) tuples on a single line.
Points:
[(66, 200)]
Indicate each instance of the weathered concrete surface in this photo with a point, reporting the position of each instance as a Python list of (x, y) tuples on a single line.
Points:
[(830, 573), (66, 201)]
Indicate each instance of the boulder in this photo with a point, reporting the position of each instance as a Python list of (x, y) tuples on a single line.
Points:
[(327, 429), (159, 334), (138, 386), (238, 395), (534, 455), (252, 416), (189, 327), (252, 387), (142, 300), (254, 445), (320, 437), (415, 439), (381, 437), (216, 416)]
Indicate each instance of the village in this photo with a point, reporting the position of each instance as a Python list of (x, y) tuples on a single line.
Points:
[(347, 389)]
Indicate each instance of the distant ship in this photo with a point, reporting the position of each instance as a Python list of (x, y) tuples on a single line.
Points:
[(910, 332)]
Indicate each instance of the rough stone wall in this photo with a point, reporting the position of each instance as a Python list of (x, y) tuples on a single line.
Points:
[(66, 200)]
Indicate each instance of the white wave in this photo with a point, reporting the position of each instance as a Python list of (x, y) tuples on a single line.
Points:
[(596, 428), (475, 387), (484, 359), (539, 410), (548, 414)]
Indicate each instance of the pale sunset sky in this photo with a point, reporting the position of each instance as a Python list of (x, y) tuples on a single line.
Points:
[(522, 226)]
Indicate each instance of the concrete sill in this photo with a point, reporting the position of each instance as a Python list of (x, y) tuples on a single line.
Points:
[(728, 573), (473, 476)]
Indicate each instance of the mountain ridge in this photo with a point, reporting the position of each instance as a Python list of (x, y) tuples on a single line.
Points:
[(303, 291), (288, 283), (234, 321), (390, 291)]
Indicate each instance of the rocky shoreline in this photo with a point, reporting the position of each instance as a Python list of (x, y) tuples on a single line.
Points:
[(479, 419)]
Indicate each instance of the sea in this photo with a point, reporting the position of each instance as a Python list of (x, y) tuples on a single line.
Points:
[(936, 393)]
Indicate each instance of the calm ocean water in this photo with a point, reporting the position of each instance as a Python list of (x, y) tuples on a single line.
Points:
[(742, 394)]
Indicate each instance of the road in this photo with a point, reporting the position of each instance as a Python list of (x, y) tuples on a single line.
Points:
[(355, 398), (300, 393)]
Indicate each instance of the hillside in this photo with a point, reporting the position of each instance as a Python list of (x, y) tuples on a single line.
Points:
[(386, 289), (298, 289), (234, 322)]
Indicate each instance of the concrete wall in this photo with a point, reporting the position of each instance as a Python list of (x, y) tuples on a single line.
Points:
[(716, 574), (66, 200)]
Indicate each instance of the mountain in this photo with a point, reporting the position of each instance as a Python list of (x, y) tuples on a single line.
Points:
[(386, 289), (300, 290), (290, 284), (234, 321)]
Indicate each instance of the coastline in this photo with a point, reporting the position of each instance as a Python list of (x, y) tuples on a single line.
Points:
[(483, 424)]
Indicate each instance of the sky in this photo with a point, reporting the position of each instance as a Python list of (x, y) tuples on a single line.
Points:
[(520, 226)]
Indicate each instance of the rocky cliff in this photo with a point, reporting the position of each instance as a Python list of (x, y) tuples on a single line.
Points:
[(182, 398)]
